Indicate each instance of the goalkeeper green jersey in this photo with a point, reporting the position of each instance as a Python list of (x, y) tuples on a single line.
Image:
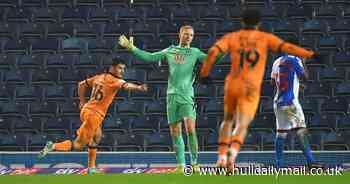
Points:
[(181, 61)]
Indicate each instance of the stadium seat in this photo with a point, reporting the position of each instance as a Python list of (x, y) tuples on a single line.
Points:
[(56, 125), (252, 142), (157, 15), (330, 43), (204, 91), (310, 106), (328, 13), (69, 108), (30, 62), (335, 105), (59, 31), (12, 109), (55, 93), (210, 123), (266, 105), (30, 126), (334, 141), (312, 3), (43, 109), (129, 142), (342, 89), (37, 142), (44, 77), (7, 93), (25, 93), (264, 121), (214, 107), (140, 30), (45, 15), (158, 142), (74, 15), (285, 28), (18, 16), (343, 122), (129, 14), (145, 124), (327, 122), (155, 108), (59, 61), (332, 74), (211, 142), (130, 108), (30, 30), (108, 141), (158, 75), (340, 28), (114, 4), (17, 47), (60, 3), (49, 46), (226, 26), (218, 74), (8, 143), (299, 14), (92, 61), (318, 90), (341, 59)]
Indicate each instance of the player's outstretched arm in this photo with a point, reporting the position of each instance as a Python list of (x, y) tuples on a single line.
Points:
[(135, 87), (140, 54), (208, 63)]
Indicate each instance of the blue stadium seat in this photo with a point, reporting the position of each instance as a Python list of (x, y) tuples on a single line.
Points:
[(264, 121), (101, 15), (266, 105), (37, 142), (60, 61), (310, 106), (108, 141), (220, 91), (214, 107), (158, 142), (43, 109), (44, 77), (7, 93), (119, 125), (69, 108), (340, 28), (312, 3), (8, 143), (333, 74), (328, 13), (335, 105), (299, 14), (137, 95), (330, 43), (211, 142), (88, 3), (49, 46), (334, 141), (88, 30), (45, 15), (155, 108), (157, 15), (145, 124), (30, 30), (130, 108), (55, 93), (267, 89), (144, 30), (129, 14), (218, 73), (210, 123), (257, 3), (16, 46), (28, 93), (166, 29), (56, 125), (74, 45), (99, 46), (268, 141), (252, 142), (135, 75), (341, 3), (343, 122), (228, 3), (88, 61), (30, 61), (21, 125), (314, 27), (326, 122), (114, 4), (8, 30), (158, 75), (129, 142), (75, 15), (57, 31), (225, 27), (318, 90), (9, 3), (204, 91), (11, 109), (19, 16), (115, 30), (342, 89), (15, 77), (216, 14), (59, 3), (285, 28), (163, 3), (341, 59), (183, 13)]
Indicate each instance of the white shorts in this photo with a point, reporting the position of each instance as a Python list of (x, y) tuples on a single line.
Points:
[(289, 117)]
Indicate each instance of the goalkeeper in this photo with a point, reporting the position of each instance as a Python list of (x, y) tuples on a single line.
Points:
[(180, 94)]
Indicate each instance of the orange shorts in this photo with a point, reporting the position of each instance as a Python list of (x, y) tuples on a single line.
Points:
[(241, 97), (91, 121)]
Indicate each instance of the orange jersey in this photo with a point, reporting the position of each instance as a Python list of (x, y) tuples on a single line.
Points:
[(104, 88), (249, 49)]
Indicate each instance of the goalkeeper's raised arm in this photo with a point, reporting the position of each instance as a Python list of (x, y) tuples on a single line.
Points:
[(140, 54)]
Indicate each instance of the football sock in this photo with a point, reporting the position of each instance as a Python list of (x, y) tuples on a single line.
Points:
[(279, 146), (63, 146), (193, 147), (305, 146), (179, 148), (92, 157)]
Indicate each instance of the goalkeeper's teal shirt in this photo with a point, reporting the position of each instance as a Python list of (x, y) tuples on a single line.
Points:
[(181, 61)]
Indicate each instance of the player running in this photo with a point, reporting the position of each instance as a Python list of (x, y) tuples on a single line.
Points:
[(286, 73), (248, 48), (104, 87), (180, 94)]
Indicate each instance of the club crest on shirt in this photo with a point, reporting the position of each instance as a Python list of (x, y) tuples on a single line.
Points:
[(179, 58)]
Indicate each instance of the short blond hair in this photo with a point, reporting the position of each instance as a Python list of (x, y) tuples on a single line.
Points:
[(185, 27)]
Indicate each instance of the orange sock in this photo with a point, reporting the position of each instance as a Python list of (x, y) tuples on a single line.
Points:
[(223, 146), (63, 146), (92, 157), (235, 147)]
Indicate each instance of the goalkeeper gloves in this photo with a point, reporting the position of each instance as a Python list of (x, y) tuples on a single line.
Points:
[(126, 43)]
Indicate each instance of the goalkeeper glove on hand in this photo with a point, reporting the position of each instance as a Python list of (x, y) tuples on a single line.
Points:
[(126, 43)]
